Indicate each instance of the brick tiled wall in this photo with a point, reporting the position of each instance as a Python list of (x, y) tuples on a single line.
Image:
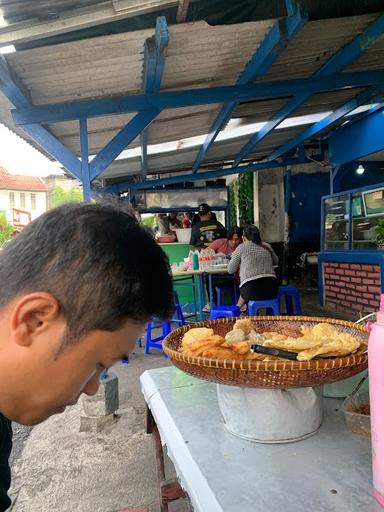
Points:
[(351, 287)]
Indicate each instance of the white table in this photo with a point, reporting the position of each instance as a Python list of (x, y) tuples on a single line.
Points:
[(328, 472)]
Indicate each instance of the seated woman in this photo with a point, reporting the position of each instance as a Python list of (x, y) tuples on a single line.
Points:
[(227, 245), (255, 259), (224, 246)]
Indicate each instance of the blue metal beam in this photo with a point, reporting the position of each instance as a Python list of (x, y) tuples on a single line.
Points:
[(290, 6), (17, 95), (204, 96), (51, 145), (148, 80), (266, 54), (154, 62), (340, 60), (120, 141), (327, 122), (85, 170), (354, 141), (214, 173)]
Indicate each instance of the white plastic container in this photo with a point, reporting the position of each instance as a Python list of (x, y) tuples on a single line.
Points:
[(271, 415), (183, 235)]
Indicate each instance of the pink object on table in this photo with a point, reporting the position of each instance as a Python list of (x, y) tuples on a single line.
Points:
[(376, 399)]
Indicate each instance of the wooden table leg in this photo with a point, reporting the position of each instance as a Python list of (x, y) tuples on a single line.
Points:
[(169, 490), (149, 421)]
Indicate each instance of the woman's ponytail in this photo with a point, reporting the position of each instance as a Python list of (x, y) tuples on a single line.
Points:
[(252, 234)]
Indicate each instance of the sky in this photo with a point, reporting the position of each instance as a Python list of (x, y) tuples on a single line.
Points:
[(19, 157)]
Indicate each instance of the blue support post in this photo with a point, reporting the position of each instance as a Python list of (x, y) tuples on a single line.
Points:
[(17, 95), (163, 100), (339, 61), (265, 56), (366, 134), (327, 122), (120, 141), (85, 171), (154, 62)]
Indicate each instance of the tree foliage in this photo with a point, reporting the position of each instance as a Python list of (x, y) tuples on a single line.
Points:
[(60, 196), (6, 230)]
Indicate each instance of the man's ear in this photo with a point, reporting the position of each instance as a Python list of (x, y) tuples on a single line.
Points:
[(31, 315)]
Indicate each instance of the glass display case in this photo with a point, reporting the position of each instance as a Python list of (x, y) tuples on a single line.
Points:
[(336, 222), (350, 218)]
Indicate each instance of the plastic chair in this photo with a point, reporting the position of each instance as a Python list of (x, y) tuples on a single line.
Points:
[(272, 306), (166, 327), (224, 312), (292, 299), (222, 290)]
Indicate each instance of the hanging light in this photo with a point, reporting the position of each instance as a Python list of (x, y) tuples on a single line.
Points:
[(360, 170)]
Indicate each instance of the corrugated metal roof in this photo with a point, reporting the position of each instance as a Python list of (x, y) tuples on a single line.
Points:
[(198, 55), (16, 11), (315, 44)]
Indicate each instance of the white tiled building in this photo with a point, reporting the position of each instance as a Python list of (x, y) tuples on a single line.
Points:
[(21, 193)]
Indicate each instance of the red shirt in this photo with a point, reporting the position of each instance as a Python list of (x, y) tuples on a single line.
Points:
[(221, 245)]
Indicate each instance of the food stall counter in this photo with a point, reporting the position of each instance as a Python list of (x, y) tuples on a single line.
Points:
[(329, 471)]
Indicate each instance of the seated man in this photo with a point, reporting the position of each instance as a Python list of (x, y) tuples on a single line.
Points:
[(77, 288), (207, 229)]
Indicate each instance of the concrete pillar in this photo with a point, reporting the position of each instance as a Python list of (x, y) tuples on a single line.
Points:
[(98, 411)]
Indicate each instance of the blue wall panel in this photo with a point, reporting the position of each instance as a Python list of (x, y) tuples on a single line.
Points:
[(305, 205)]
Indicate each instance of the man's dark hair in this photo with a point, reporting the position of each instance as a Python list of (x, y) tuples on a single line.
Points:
[(96, 260)]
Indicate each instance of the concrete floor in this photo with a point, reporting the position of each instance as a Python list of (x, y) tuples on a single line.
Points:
[(59, 469), (63, 470)]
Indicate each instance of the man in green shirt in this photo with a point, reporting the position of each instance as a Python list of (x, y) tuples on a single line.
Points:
[(77, 288)]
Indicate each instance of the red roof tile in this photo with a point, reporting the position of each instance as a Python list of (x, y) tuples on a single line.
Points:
[(17, 182)]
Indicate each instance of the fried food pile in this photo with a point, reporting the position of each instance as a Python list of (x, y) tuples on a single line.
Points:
[(203, 342), (320, 340)]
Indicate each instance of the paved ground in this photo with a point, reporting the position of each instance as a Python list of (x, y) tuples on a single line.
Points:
[(58, 469), (62, 470), (20, 436)]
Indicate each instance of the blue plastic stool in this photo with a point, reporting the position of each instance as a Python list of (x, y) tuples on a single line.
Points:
[(166, 327), (272, 306), (220, 293), (125, 360), (224, 312), (156, 342), (292, 299)]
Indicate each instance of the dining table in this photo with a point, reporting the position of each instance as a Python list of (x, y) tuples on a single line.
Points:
[(199, 279)]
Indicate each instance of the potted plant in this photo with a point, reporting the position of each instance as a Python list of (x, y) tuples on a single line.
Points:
[(380, 234)]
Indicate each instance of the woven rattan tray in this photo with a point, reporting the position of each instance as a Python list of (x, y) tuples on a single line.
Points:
[(269, 374)]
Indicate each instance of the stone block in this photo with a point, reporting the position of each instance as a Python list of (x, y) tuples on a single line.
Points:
[(105, 401), (96, 423)]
